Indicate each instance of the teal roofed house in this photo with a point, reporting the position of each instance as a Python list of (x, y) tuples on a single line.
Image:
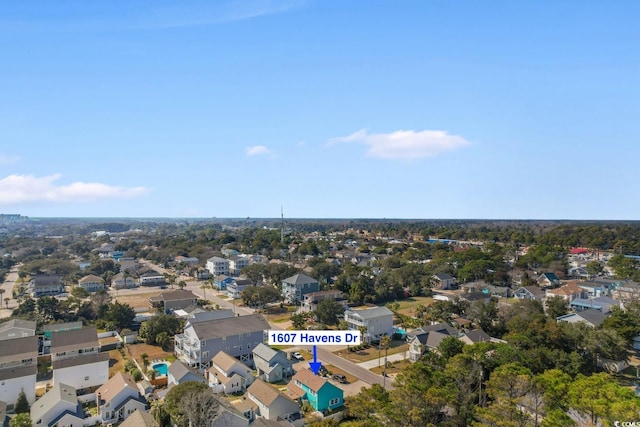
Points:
[(320, 393)]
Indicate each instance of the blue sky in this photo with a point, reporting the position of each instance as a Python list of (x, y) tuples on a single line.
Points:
[(340, 109)]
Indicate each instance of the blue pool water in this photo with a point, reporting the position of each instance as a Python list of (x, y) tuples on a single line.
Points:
[(160, 368)]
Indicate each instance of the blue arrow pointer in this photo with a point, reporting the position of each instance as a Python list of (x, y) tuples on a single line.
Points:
[(315, 365)]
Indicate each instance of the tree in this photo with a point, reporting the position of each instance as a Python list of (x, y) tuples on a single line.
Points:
[(368, 403), (258, 296), (190, 402), (182, 284), (21, 420), (299, 320), (145, 360), (6, 302), (22, 404), (329, 312), (119, 315), (161, 323), (449, 347), (557, 306)]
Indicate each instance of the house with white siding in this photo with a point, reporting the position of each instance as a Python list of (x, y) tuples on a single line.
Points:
[(228, 375), (76, 360), (18, 369), (118, 398)]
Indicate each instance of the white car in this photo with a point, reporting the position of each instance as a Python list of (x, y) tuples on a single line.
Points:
[(296, 355)]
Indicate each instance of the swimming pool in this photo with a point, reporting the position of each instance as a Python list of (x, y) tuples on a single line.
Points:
[(160, 368)]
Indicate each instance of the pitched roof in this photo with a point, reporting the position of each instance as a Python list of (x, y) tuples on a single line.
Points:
[(372, 313), (115, 385), (58, 326), (308, 378), (19, 346), (595, 317), (80, 360), (435, 338), (230, 326), (264, 352), (225, 361), (179, 370), (478, 335), (18, 323), (300, 279), (78, 336), (140, 419), (92, 278), (443, 276), (263, 392), (46, 280), (177, 295), (59, 392), (25, 371)]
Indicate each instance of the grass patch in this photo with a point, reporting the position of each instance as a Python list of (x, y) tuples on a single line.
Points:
[(372, 352), (116, 362), (407, 306), (392, 368)]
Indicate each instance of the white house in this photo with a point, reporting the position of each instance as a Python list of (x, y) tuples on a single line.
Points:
[(378, 321), (237, 263), (271, 365), (218, 266), (18, 369), (118, 398), (75, 359), (91, 283), (228, 375), (271, 403), (58, 407), (17, 328), (235, 288)]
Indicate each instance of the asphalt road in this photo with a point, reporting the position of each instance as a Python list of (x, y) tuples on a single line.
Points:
[(10, 280)]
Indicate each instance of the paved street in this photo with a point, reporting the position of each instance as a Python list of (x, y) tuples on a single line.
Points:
[(8, 287)]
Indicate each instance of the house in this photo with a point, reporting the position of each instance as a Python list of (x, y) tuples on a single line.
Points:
[(191, 261), (548, 280), (17, 328), (18, 369), (128, 265), (173, 300), (445, 281), (218, 266), (118, 398), (591, 317), (227, 416), (271, 365), (602, 304), (310, 301), (529, 292), (221, 282), (578, 273), (594, 289), (151, 278), (91, 283), (140, 418), (569, 292), (235, 288), (319, 392), (272, 405), (474, 337), (237, 263), (58, 407), (4, 420), (377, 321), (295, 287), (428, 338), (122, 281), (45, 285), (237, 336), (179, 373), (76, 360), (228, 375)]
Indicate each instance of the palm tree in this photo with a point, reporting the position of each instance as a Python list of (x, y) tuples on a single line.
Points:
[(6, 302), (363, 331), (145, 360)]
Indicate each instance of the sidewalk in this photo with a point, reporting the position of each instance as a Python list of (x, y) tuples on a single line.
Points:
[(374, 363)]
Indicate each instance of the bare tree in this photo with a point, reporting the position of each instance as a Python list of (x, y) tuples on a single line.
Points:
[(199, 407)]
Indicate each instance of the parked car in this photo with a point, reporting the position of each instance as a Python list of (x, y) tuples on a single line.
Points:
[(340, 378), (296, 355), (323, 371)]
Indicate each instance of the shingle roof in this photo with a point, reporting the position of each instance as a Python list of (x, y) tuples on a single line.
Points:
[(308, 378), (57, 326), (80, 360), (372, 313), (115, 385), (594, 317), (179, 370), (79, 337), (264, 352), (19, 346), (263, 392), (59, 392), (230, 326), (7, 374), (300, 279), (18, 323), (177, 295), (225, 361), (91, 279), (478, 335), (140, 419)]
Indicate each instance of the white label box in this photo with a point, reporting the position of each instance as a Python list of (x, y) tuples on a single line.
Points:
[(281, 337)]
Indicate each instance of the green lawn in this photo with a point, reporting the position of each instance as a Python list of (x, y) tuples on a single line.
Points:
[(407, 306)]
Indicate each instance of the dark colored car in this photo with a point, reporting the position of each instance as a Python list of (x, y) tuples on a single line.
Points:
[(340, 378)]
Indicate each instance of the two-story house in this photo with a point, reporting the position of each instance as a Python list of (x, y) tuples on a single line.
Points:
[(237, 263), (91, 283), (376, 322), (151, 278), (319, 392), (428, 338), (237, 336), (221, 282), (548, 280), (271, 365), (173, 300), (445, 281), (18, 368), (58, 407), (310, 301), (218, 266), (272, 405), (568, 292), (76, 360), (17, 328), (122, 281), (237, 286), (228, 375), (45, 285), (179, 373), (295, 287), (530, 292), (118, 398)]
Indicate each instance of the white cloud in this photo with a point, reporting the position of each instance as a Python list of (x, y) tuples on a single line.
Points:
[(257, 150), (16, 189), (6, 159), (405, 144)]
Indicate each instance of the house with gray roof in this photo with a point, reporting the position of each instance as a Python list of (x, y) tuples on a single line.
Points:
[(530, 292), (237, 285), (17, 328), (272, 404), (91, 283), (140, 419), (237, 336), (428, 338), (228, 375), (445, 281), (179, 373), (45, 285), (151, 278), (295, 287), (378, 321), (76, 359), (18, 369), (602, 304), (271, 365), (591, 317), (58, 407), (173, 300), (118, 398)]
